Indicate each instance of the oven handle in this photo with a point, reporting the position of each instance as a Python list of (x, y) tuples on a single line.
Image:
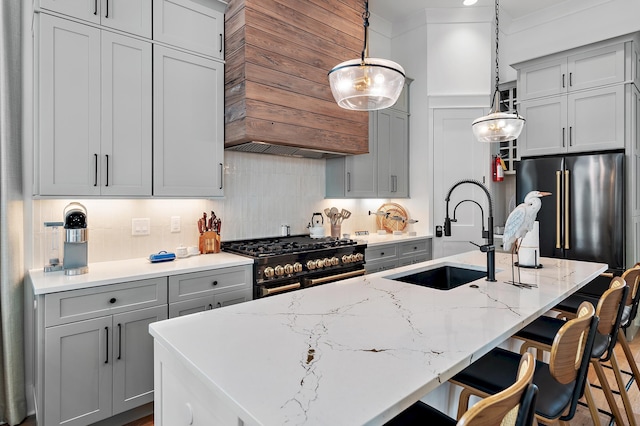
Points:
[(275, 290), (312, 282)]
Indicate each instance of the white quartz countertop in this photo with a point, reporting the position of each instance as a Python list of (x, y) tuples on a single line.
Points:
[(359, 351), (103, 273), (374, 239)]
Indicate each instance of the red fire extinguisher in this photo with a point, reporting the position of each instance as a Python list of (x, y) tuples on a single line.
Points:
[(496, 169)]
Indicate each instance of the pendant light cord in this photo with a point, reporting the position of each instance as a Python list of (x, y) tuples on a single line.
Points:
[(365, 24), (497, 43)]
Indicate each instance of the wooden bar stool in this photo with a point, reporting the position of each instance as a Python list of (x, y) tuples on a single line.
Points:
[(541, 332), (514, 406), (560, 383)]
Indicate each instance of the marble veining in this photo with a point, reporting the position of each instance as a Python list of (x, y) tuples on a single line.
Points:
[(361, 350)]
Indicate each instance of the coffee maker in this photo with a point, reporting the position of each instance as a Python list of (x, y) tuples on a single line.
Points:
[(75, 241)]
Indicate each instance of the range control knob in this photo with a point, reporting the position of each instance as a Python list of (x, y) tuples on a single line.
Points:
[(269, 272), (311, 265), (359, 257), (319, 263), (288, 269), (345, 259), (279, 270), (297, 267), (335, 261), (351, 258), (327, 262)]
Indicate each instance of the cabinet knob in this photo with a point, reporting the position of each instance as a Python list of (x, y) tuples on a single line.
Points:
[(112, 300), (219, 305), (215, 283)]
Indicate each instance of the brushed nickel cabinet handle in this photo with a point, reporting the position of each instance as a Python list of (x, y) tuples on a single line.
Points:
[(107, 155), (106, 358), (221, 43), (119, 341), (563, 85), (570, 79), (95, 173), (221, 174), (566, 210), (570, 138), (563, 136), (558, 176), (348, 181)]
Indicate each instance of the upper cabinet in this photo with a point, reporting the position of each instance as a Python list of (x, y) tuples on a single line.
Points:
[(384, 171), (131, 16), (95, 111), (576, 101), (193, 25), (102, 120)]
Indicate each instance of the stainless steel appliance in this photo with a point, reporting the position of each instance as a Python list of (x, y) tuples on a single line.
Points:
[(75, 243), (294, 262), (584, 219)]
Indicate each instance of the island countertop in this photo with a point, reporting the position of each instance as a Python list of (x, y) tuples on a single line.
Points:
[(358, 351)]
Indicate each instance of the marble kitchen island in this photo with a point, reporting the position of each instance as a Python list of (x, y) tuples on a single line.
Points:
[(357, 351)]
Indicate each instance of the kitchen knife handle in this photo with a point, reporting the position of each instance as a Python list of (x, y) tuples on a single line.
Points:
[(106, 358), (221, 174), (566, 209), (95, 174), (107, 155), (106, 15), (119, 341), (348, 181), (558, 176)]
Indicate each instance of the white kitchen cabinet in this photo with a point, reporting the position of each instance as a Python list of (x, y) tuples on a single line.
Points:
[(567, 73), (384, 171), (190, 24), (202, 291), (188, 125), (96, 353), (589, 120), (94, 111), (132, 16)]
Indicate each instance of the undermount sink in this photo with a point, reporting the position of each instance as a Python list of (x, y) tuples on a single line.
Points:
[(442, 277)]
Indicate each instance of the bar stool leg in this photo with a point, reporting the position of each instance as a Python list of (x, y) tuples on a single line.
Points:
[(463, 402), (623, 392), (606, 389), (627, 353), (591, 403)]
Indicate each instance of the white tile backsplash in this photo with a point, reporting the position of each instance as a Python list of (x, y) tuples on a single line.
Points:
[(262, 192)]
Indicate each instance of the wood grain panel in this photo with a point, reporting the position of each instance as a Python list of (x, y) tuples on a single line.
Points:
[(278, 53)]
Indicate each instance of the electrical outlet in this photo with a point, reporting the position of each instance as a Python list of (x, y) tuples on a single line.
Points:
[(175, 223), (141, 226)]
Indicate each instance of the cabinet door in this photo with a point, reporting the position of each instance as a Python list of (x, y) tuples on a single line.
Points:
[(132, 16), (596, 119), (392, 133), (232, 297), (188, 125), (596, 67), (126, 116), (77, 376), (545, 131), (361, 177), (191, 306), (543, 79), (69, 108), (193, 25), (89, 10), (133, 357)]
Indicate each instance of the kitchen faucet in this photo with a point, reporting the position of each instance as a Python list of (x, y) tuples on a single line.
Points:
[(488, 248)]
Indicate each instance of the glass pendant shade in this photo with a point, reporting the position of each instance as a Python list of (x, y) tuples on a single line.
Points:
[(366, 85), (497, 126)]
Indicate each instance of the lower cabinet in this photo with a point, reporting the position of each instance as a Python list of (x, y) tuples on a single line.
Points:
[(388, 256)]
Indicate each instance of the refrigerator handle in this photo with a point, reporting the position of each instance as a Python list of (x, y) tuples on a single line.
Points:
[(558, 178), (566, 210)]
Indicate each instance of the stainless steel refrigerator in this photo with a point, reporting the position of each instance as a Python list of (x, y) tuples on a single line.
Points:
[(584, 217)]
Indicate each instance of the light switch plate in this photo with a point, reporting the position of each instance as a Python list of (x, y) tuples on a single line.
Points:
[(175, 223), (140, 226)]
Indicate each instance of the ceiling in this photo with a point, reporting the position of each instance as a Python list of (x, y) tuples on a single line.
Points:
[(399, 9)]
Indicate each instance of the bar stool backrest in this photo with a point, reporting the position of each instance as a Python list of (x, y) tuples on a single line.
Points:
[(632, 278), (507, 404), (609, 311)]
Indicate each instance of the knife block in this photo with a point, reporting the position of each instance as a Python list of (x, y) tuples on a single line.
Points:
[(209, 242)]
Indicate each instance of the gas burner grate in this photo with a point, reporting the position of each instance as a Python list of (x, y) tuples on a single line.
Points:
[(285, 245)]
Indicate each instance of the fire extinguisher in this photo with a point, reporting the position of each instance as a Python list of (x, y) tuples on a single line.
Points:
[(496, 169)]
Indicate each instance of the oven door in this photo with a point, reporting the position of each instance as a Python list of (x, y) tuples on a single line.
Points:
[(264, 290)]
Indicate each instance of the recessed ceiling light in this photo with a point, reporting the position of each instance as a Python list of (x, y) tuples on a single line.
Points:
[(469, 2)]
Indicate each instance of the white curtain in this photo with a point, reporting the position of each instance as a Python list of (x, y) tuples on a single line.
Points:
[(12, 386)]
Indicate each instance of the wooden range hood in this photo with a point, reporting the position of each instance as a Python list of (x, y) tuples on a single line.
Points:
[(277, 94)]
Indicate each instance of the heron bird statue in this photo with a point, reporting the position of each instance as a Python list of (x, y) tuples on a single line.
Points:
[(519, 222)]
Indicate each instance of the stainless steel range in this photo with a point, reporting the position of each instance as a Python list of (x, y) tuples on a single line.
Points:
[(290, 263)]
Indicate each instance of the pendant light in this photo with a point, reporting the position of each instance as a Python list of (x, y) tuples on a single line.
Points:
[(366, 84), (497, 126)]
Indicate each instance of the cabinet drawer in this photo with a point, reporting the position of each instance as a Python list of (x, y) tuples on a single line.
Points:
[(379, 266), (198, 284), (414, 248), (381, 252), (76, 305)]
